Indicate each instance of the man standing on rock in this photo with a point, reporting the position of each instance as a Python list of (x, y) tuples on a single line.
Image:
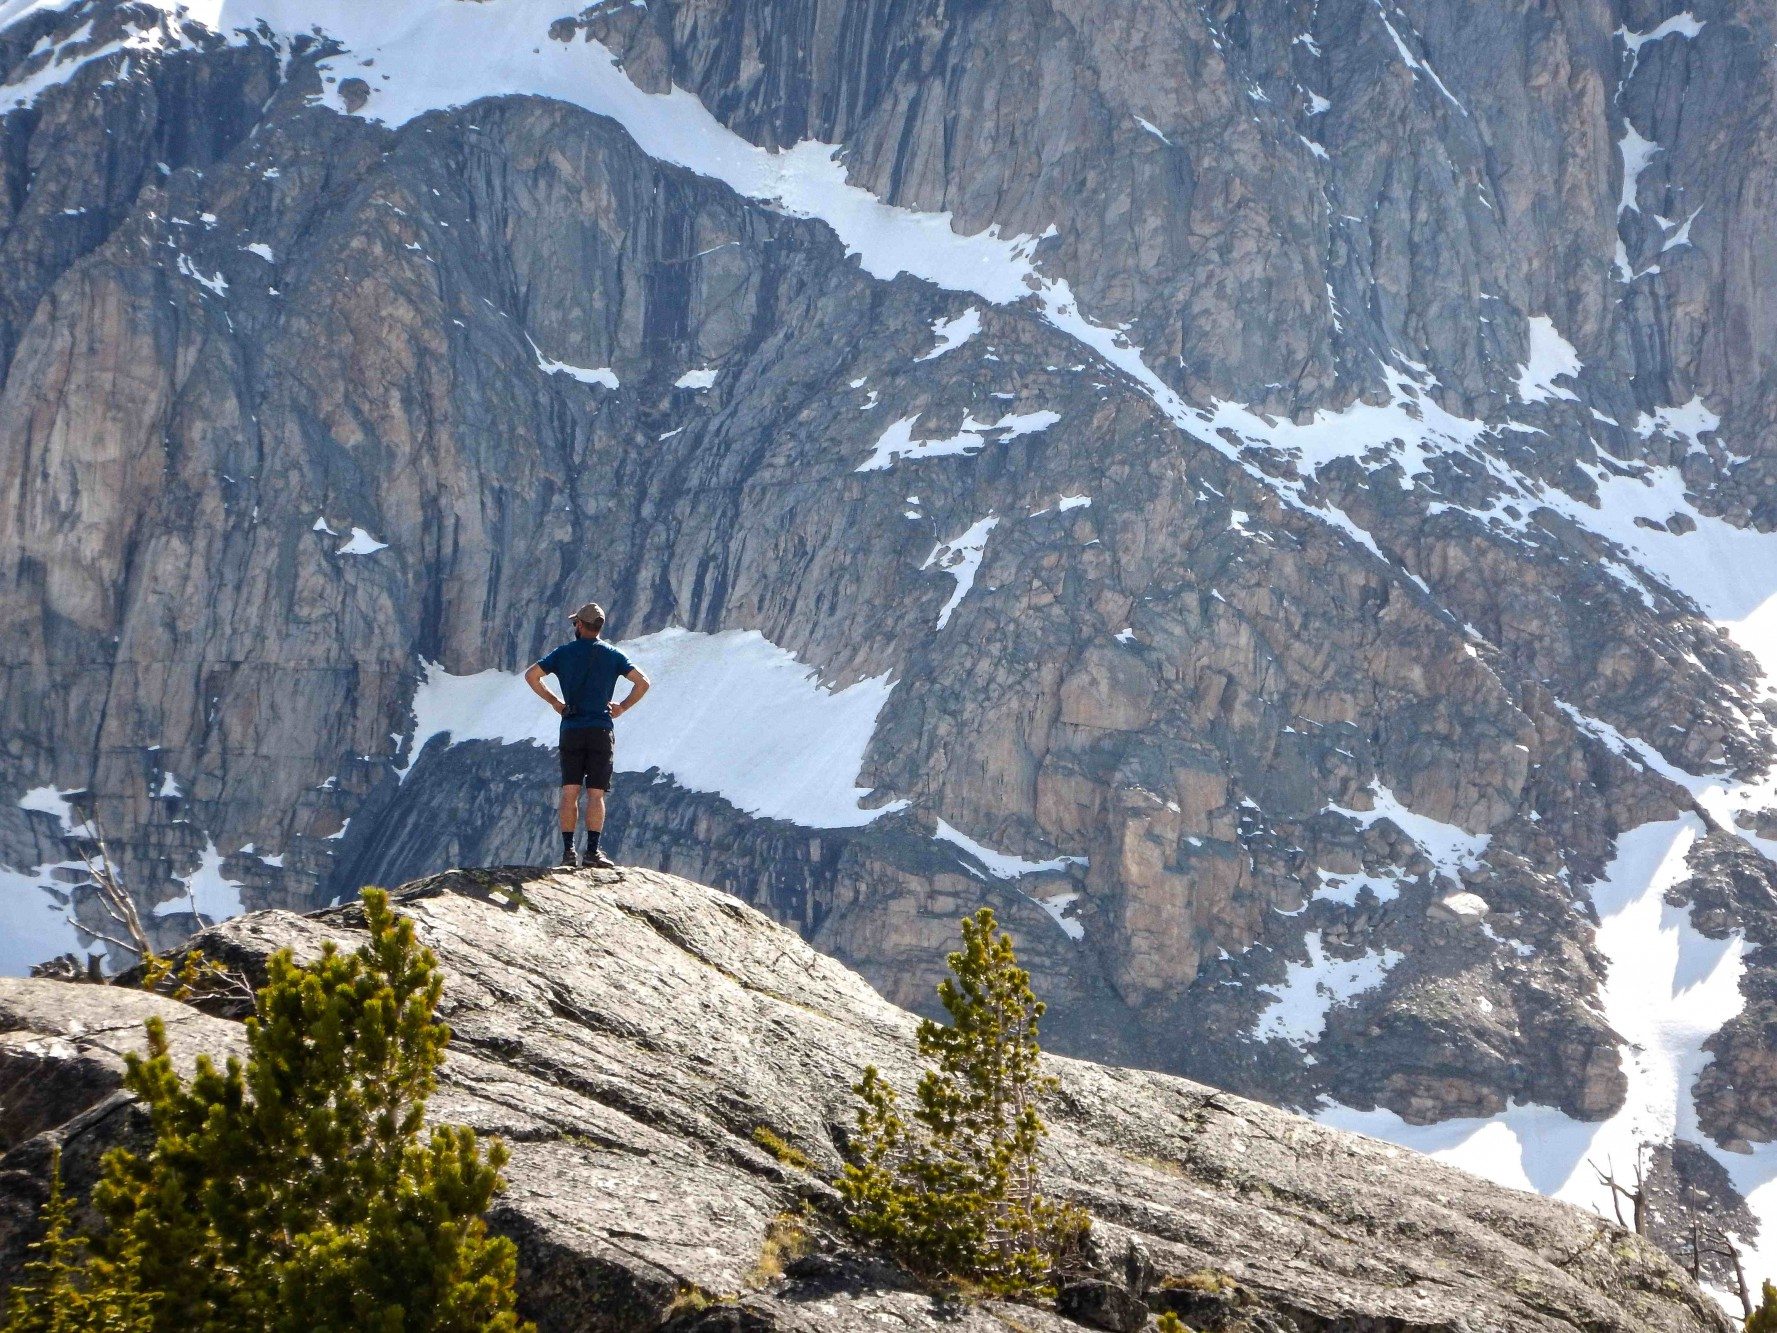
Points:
[(587, 670)]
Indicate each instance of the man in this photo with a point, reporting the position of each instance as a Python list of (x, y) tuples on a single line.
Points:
[(587, 670)]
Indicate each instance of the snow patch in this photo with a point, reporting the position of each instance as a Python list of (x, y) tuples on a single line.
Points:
[(960, 557), (1550, 357), (50, 801), (1309, 991), (261, 249), (1684, 25), (953, 333), (1446, 846), (215, 283), (1637, 153), (1014, 424), (896, 444), (1058, 906), (696, 379), (1681, 235), (1154, 130), (208, 892), (361, 543), (1003, 865), (1688, 421), (1409, 427), (1344, 889), (586, 375)]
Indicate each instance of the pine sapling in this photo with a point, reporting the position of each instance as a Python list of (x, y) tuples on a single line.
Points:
[(64, 1288), (1764, 1319), (953, 1189), (300, 1191)]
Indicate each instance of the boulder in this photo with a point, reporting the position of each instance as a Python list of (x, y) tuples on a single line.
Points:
[(1460, 909)]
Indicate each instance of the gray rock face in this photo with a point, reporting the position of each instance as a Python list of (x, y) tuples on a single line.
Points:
[(627, 1032), (1425, 411)]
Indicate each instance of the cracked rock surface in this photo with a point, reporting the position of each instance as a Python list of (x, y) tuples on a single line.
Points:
[(627, 1032)]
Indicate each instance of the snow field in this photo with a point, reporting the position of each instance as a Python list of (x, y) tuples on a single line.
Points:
[(1309, 991), (34, 924), (733, 714), (1667, 990)]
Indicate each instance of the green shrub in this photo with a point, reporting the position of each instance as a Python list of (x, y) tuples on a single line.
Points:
[(65, 1288), (1764, 1319), (1171, 1323), (953, 1190), (781, 1148), (1205, 1280), (786, 1241), (299, 1191)]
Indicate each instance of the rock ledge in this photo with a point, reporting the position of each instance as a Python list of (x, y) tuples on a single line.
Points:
[(627, 1032)]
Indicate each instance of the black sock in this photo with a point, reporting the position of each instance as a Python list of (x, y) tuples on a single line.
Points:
[(567, 843), (592, 841)]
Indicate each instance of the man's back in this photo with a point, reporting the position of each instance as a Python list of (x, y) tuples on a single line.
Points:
[(588, 671)]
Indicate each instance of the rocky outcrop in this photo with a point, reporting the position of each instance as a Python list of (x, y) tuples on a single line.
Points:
[(628, 1032)]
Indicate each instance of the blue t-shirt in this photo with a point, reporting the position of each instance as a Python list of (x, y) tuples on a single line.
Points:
[(587, 671)]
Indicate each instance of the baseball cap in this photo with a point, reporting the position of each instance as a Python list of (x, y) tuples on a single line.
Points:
[(590, 614)]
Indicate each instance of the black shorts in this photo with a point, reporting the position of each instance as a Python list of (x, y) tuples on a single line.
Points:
[(586, 755)]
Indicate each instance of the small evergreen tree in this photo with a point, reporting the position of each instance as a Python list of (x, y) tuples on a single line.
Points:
[(955, 1192), (297, 1191), (1764, 1319), (64, 1288)]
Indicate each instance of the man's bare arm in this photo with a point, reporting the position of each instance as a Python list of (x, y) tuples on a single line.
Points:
[(638, 686), (533, 677)]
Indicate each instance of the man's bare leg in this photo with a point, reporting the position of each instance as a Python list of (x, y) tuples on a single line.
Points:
[(595, 825), (569, 810)]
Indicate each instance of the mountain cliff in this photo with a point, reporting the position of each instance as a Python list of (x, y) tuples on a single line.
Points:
[(1277, 498), (628, 1033)]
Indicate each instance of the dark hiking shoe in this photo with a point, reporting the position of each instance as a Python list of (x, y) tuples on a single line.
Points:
[(569, 861), (597, 861)]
